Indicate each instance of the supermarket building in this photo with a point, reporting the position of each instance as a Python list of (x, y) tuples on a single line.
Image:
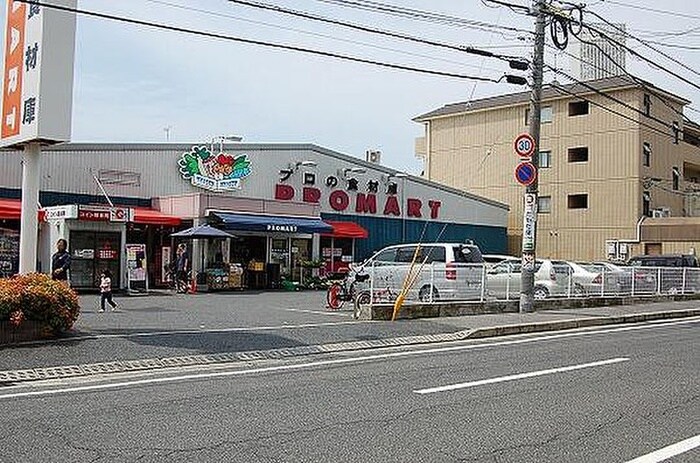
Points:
[(290, 207)]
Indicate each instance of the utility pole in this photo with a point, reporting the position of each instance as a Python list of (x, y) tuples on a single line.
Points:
[(527, 274)]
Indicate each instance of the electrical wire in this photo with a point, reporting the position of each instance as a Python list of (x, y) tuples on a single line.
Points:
[(616, 100), (420, 15), (640, 56), (653, 10), (273, 45), (355, 26), (662, 53), (317, 34), (639, 81)]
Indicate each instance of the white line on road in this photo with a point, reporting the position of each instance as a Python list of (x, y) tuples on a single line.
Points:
[(532, 374), (342, 361), (319, 312), (670, 451)]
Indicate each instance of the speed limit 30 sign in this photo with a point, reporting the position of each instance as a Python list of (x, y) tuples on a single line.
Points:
[(524, 145)]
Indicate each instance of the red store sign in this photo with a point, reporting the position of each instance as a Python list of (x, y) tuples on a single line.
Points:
[(114, 214), (361, 203)]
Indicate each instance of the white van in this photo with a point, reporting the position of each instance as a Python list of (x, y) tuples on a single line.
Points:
[(451, 271)]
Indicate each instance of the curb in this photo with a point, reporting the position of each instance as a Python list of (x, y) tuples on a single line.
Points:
[(93, 369), (524, 328)]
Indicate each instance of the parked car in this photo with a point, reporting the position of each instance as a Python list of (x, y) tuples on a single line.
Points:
[(492, 259), (451, 271), (617, 279), (664, 260), (503, 280), (578, 280), (666, 273)]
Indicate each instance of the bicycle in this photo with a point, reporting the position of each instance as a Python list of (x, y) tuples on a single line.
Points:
[(180, 285), (339, 293), (364, 297)]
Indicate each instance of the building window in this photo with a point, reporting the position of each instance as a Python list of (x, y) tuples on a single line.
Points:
[(647, 105), (676, 132), (676, 177), (546, 115), (578, 108), (577, 201), (579, 154), (646, 204), (545, 159), (544, 204), (646, 154)]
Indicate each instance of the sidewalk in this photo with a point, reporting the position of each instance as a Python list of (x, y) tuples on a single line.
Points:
[(216, 328)]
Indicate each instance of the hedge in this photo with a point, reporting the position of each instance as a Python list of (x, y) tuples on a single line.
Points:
[(37, 297)]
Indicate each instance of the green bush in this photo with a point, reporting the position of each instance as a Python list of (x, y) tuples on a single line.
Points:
[(37, 297)]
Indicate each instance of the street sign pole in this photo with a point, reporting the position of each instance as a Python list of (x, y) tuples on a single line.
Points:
[(527, 275)]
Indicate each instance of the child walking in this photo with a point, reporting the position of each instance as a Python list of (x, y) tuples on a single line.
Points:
[(106, 291)]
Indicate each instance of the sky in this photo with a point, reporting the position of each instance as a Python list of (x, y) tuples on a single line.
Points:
[(134, 84)]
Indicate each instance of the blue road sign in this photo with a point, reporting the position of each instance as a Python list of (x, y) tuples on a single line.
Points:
[(525, 173)]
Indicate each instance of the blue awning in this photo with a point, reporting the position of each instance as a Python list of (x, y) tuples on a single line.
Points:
[(272, 223)]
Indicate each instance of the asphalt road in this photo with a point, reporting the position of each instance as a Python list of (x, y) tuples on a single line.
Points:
[(606, 395), (173, 326)]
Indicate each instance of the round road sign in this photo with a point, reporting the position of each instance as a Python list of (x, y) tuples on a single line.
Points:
[(525, 173), (524, 145)]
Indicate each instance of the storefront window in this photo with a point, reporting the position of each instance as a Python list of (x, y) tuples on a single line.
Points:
[(92, 253), (9, 252), (279, 254)]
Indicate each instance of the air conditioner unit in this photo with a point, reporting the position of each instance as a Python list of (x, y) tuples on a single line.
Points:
[(373, 156), (661, 212)]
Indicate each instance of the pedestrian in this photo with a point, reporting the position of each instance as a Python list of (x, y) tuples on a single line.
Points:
[(182, 267), (106, 291), (60, 261)]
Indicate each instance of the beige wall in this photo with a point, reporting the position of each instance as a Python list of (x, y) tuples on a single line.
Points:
[(474, 152)]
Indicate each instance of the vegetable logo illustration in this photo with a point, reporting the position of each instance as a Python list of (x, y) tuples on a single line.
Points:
[(221, 172)]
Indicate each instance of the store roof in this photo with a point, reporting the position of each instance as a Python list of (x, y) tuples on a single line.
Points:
[(96, 148)]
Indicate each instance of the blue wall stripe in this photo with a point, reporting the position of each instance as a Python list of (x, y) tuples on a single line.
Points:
[(385, 232)]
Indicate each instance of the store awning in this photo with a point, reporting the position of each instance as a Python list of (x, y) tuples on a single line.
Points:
[(272, 224), (346, 230), (11, 209), (147, 216)]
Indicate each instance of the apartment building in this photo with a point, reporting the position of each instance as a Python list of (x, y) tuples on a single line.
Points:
[(619, 166)]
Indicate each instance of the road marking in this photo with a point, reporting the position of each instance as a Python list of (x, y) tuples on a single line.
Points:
[(670, 451), (199, 331), (351, 360), (319, 312), (532, 374)]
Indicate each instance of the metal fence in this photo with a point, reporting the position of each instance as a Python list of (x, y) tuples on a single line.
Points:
[(476, 282)]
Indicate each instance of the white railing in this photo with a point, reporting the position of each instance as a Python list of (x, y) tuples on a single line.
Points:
[(439, 282)]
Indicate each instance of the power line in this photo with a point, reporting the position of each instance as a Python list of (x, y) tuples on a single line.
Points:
[(640, 56), (654, 10), (513, 6), (606, 108), (614, 99), (396, 35), (631, 76), (673, 45), (662, 53), (278, 46), (421, 15), (315, 34)]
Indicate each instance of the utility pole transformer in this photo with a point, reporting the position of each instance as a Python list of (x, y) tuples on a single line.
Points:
[(527, 274)]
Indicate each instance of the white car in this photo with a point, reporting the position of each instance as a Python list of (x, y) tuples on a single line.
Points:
[(503, 280), (440, 271)]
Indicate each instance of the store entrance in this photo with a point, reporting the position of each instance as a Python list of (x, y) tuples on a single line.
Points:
[(91, 254), (251, 253)]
